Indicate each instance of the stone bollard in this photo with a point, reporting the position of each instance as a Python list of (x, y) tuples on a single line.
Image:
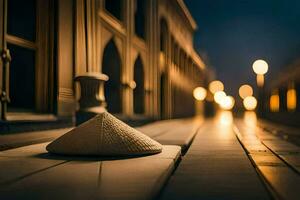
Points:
[(92, 99)]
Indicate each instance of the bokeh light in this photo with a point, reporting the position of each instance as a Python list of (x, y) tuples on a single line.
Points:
[(199, 93), (260, 67), (245, 91), (250, 103), (227, 103), (218, 96), (216, 86), (274, 102), (291, 98)]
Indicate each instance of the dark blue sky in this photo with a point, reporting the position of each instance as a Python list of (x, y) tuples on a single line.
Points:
[(233, 33)]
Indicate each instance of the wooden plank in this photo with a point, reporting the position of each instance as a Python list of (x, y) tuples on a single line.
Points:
[(275, 164), (215, 167), (166, 133), (283, 180), (86, 177)]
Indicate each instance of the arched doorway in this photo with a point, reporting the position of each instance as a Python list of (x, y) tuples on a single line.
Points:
[(139, 91), (163, 35), (163, 77), (162, 96), (111, 66)]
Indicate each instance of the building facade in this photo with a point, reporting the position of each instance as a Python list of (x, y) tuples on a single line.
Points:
[(283, 95), (144, 47)]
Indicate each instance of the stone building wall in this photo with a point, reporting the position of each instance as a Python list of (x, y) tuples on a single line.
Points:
[(145, 48)]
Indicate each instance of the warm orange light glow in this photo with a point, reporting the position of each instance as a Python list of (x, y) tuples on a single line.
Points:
[(291, 98), (216, 86), (250, 118), (218, 96), (199, 93), (209, 97), (260, 67), (225, 118), (227, 103), (260, 80), (250, 103), (274, 102), (245, 91)]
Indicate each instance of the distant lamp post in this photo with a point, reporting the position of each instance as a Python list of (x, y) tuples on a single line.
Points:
[(219, 96), (250, 103), (215, 86), (199, 93), (245, 91), (260, 67), (227, 103)]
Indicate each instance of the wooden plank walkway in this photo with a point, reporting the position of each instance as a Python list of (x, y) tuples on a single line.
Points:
[(215, 167), (225, 158), (31, 173), (277, 160)]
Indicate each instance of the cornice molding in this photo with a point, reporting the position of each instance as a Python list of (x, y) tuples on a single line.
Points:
[(187, 14)]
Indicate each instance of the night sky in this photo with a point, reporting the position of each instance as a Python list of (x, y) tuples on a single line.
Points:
[(233, 33)]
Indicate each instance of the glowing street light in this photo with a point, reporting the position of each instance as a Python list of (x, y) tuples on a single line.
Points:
[(227, 103), (199, 93), (245, 91), (250, 103), (216, 86), (260, 67), (218, 96)]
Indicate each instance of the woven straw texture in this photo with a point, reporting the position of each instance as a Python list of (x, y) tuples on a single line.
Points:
[(104, 135)]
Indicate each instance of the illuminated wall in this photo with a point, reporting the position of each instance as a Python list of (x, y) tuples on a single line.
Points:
[(83, 31)]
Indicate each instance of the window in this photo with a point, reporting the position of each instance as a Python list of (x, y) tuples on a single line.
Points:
[(22, 19), (28, 33)]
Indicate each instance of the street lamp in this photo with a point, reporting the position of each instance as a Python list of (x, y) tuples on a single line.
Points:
[(219, 96), (227, 103), (215, 86), (250, 103), (199, 93), (260, 67), (245, 91)]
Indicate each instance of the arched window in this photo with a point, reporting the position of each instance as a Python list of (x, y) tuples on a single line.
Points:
[(114, 7), (140, 18), (163, 35), (111, 66), (139, 91)]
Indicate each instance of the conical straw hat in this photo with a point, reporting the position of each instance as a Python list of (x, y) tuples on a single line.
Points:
[(104, 135)]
